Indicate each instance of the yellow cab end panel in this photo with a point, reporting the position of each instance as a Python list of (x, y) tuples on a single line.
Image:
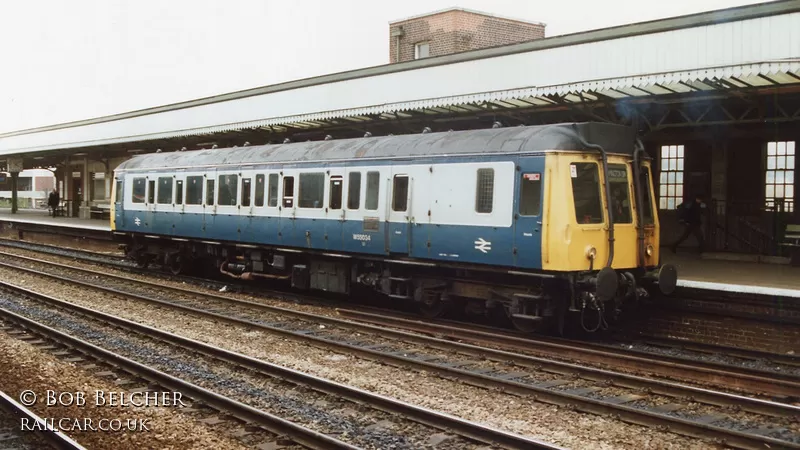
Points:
[(568, 242)]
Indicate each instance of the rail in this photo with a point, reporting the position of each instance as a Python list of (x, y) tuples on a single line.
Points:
[(53, 437)]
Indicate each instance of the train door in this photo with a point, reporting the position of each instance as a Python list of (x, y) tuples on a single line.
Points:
[(335, 209), (118, 211), (209, 203), (528, 213), (246, 219), (398, 211), (150, 201)]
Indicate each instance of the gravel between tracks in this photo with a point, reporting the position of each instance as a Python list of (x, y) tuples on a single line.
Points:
[(545, 422), (23, 366)]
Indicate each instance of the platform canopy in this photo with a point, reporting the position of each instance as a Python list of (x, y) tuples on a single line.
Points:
[(742, 49)]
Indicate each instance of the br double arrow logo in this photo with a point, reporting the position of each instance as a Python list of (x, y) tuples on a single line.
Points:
[(483, 245)]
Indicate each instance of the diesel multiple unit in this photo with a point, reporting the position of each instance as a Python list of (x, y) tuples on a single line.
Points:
[(541, 223)]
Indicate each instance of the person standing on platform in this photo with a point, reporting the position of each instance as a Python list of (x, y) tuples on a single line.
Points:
[(53, 200), (690, 214)]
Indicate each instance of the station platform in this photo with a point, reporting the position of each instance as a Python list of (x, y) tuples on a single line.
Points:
[(42, 217), (706, 272)]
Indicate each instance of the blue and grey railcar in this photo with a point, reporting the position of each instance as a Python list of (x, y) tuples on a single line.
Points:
[(517, 219)]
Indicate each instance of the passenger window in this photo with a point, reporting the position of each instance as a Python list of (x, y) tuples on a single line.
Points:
[(288, 192), (178, 192), (273, 190), (246, 191), (138, 194), (336, 187), (373, 189), (259, 190), (312, 190), (354, 190), (647, 198), (210, 192), (400, 193), (620, 193), (530, 194), (151, 191), (194, 190), (228, 190), (484, 194), (164, 190), (586, 192)]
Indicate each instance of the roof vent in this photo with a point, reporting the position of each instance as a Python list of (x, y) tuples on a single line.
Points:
[(367, 134), (214, 146), (158, 150), (246, 143), (426, 130), (497, 124), (183, 149), (328, 137), (286, 141)]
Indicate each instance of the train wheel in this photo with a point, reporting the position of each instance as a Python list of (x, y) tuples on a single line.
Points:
[(526, 325), (175, 264), (142, 261), (433, 304)]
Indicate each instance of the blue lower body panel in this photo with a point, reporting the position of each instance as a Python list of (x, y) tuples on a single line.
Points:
[(493, 246)]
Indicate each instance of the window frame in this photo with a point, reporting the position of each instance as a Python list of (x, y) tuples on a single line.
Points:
[(599, 184), (169, 200), (780, 153), (277, 187), (202, 190), (418, 49), (143, 201), (235, 194), (290, 198), (357, 191), (151, 192), (259, 201), (394, 192), (479, 190), (210, 192), (538, 179), (376, 193), (669, 177), (320, 200)]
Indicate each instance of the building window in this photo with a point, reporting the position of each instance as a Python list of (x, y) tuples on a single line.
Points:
[(484, 194), (671, 185), (780, 174), (422, 50)]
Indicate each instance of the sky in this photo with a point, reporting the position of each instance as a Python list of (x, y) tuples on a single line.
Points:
[(62, 61)]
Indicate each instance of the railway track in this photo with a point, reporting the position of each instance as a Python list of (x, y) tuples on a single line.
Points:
[(12, 417), (740, 422), (744, 379), (468, 434)]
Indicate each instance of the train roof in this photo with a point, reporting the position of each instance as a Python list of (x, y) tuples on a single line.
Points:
[(617, 139)]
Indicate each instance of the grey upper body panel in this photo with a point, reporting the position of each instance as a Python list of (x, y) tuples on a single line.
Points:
[(615, 139)]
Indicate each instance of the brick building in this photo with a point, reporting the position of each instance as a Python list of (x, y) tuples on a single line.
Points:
[(455, 30)]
